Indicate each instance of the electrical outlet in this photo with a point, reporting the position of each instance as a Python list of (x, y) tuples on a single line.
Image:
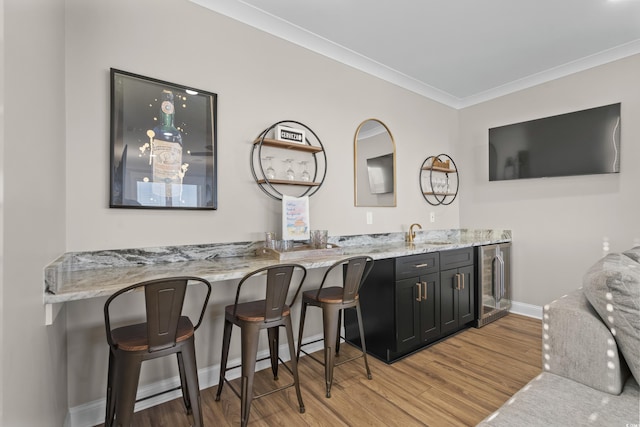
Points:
[(369, 218), (432, 217)]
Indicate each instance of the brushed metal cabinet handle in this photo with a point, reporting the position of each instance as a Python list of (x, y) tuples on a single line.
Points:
[(421, 265), (419, 292)]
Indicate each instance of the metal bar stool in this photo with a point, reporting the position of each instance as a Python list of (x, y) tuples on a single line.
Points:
[(166, 331), (270, 313), (333, 300)]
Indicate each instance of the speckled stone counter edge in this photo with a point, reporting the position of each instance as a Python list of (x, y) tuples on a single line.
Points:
[(81, 275)]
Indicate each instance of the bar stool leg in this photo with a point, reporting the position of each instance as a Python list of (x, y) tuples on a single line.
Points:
[(193, 386), (128, 371), (338, 333), (329, 320), (364, 347), (274, 342), (226, 340), (111, 402), (183, 383), (294, 362), (303, 312), (249, 338)]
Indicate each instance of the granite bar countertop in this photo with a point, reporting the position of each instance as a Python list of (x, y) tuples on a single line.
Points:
[(83, 275)]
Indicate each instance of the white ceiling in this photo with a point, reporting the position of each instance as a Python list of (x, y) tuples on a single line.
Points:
[(458, 52)]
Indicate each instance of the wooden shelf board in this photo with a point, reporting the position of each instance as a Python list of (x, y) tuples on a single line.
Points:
[(288, 145), (437, 169), (428, 193), (286, 182)]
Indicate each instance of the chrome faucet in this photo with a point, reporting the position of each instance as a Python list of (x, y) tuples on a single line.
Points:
[(412, 234)]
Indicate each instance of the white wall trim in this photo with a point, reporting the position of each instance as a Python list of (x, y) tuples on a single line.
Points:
[(92, 413), (582, 64), (525, 309), (257, 18)]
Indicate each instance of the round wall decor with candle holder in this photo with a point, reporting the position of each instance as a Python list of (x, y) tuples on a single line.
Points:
[(439, 182), (288, 158)]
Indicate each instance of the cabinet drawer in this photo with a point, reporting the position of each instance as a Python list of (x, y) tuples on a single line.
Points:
[(416, 265), (456, 258)]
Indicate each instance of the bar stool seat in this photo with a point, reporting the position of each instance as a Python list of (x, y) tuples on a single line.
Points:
[(134, 337), (253, 311), (332, 295), (333, 300), (270, 313), (166, 331)]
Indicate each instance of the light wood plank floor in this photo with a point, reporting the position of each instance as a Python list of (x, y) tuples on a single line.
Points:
[(457, 382)]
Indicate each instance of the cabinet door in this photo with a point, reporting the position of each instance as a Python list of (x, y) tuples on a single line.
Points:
[(466, 296), (430, 307), (448, 301), (407, 314)]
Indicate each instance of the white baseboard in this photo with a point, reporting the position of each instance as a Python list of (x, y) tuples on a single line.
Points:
[(525, 309), (92, 413)]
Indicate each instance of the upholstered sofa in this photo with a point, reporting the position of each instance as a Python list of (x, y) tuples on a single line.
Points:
[(590, 355)]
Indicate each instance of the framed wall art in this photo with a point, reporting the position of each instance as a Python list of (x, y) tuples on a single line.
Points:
[(163, 144)]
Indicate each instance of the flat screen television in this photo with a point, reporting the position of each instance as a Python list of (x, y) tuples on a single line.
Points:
[(380, 170), (584, 142)]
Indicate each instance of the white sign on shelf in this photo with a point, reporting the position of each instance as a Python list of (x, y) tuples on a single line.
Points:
[(289, 134)]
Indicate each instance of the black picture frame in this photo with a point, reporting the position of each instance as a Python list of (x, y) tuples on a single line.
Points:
[(149, 171)]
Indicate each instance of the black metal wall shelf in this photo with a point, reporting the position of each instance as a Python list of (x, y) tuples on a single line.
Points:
[(310, 149), (438, 185)]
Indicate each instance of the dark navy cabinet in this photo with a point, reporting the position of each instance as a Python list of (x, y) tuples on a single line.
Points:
[(457, 289), (412, 301)]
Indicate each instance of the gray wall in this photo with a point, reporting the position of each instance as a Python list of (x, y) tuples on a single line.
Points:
[(559, 224), (32, 207), (260, 80)]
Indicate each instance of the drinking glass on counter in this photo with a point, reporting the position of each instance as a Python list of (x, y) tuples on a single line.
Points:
[(270, 240), (319, 239), (285, 245)]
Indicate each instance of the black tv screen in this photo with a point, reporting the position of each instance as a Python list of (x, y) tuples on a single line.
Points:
[(584, 142)]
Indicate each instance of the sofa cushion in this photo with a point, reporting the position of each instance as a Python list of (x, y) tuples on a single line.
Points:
[(612, 286), (633, 253), (577, 344), (552, 400)]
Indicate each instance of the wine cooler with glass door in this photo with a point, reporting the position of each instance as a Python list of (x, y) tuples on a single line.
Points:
[(494, 282)]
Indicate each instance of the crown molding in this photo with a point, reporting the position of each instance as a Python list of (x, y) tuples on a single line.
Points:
[(259, 19), (278, 27), (582, 64)]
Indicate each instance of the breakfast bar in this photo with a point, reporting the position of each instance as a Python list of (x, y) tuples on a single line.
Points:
[(83, 275), (78, 284)]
